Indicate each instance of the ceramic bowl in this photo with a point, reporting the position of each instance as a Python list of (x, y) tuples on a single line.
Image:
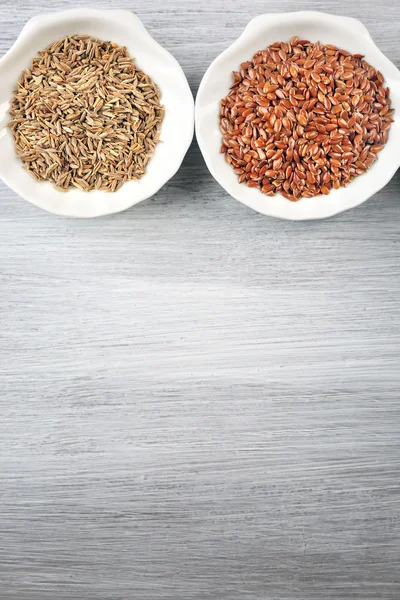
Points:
[(343, 32), (124, 28)]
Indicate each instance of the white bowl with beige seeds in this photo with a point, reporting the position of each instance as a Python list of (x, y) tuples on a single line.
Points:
[(95, 115), (300, 117)]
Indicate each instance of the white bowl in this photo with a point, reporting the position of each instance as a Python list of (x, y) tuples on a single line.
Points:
[(124, 28), (262, 31)]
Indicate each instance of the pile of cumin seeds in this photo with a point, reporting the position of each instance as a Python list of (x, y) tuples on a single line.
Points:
[(302, 118), (85, 116)]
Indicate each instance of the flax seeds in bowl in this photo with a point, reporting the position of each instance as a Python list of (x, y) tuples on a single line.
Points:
[(304, 118), (85, 116)]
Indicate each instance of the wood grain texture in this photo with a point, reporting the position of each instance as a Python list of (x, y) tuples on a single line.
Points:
[(198, 402)]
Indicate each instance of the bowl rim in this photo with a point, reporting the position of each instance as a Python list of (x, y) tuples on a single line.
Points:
[(272, 21), (45, 20)]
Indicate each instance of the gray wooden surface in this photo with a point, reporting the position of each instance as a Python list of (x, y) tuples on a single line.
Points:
[(198, 402)]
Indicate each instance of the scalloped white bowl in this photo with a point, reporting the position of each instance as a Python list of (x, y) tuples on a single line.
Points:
[(343, 32), (124, 28)]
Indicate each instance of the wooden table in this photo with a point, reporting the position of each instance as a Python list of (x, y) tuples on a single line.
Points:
[(198, 402)]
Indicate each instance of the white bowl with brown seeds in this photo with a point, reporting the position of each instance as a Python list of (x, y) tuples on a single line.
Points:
[(175, 126), (263, 31)]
